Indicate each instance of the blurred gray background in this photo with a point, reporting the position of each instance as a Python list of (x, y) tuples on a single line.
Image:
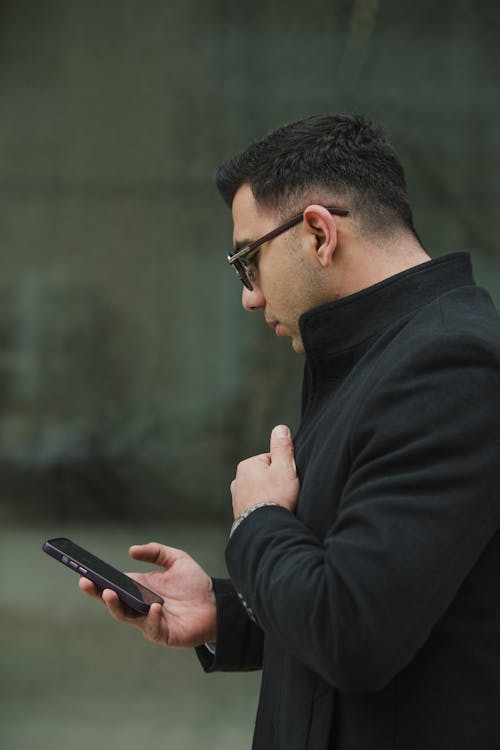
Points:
[(131, 381)]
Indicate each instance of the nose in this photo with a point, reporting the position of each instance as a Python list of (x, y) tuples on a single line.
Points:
[(252, 300)]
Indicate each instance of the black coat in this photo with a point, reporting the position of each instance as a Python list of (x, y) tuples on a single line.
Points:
[(375, 610)]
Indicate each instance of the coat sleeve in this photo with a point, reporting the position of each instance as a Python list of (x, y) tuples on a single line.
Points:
[(420, 505), (239, 641)]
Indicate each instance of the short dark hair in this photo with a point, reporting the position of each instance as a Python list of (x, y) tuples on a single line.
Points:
[(346, 154)]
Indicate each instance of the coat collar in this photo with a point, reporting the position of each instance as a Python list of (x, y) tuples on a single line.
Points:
[(343, 329)]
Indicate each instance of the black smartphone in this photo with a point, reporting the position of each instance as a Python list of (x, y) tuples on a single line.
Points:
[(133, 594)]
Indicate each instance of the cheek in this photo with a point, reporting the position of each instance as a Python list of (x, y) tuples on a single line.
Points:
[(289, 304), (282, 287)]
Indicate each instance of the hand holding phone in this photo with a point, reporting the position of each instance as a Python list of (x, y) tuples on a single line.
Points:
[(188, 615)]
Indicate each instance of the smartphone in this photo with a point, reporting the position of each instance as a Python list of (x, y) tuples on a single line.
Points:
[(133, 594)]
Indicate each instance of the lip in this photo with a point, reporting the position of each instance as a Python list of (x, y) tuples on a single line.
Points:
[(274, 325)]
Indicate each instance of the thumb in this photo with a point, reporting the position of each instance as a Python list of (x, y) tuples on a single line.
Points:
[(282, 447), (155, 553)]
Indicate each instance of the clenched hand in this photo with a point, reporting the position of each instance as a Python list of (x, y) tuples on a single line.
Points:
[(269, 477)]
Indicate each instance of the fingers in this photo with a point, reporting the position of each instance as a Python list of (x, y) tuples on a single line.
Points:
[(118, 610), (149, 624), (282, 447), (155, 553), (108, 597), (112, 602), (89, 588), (151, 628)]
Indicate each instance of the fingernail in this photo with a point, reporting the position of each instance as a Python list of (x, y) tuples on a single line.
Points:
[(282, 431)]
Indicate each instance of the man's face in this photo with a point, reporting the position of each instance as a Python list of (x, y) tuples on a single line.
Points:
[(283, 287)]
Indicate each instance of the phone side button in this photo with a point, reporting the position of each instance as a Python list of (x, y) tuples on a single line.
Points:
[(82, 570), (73, 564)]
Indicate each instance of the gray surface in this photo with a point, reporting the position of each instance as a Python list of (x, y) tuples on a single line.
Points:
[(72, 677)]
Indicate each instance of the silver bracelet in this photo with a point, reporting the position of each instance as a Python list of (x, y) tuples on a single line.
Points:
[(244, 515)]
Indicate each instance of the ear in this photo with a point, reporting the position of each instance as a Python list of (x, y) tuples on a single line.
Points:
[(322, 227)]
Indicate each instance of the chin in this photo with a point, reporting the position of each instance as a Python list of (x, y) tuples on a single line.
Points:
[(297, 346)]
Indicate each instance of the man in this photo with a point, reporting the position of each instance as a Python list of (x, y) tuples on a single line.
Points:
[(365, 557)]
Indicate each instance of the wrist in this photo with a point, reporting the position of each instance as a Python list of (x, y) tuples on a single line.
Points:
[(239, 519)]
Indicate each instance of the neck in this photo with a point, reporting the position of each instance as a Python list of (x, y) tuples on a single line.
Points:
[(362, 262)]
